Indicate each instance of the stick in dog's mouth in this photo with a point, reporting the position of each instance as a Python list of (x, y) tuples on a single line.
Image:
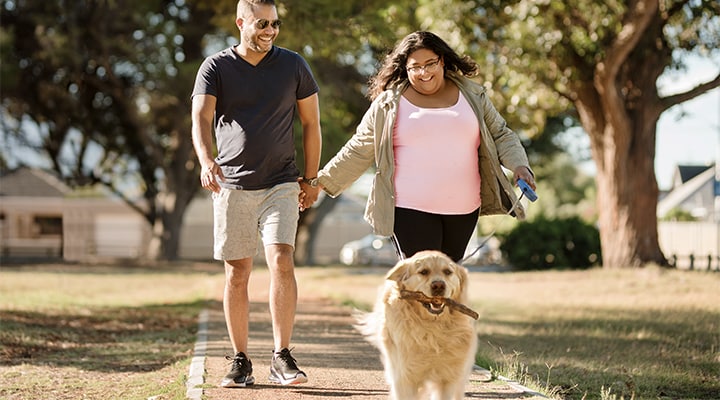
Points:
[(436, 304)]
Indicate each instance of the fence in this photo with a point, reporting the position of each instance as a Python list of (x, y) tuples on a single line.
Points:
[(691, 245)]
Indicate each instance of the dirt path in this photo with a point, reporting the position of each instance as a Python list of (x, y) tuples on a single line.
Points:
[(338, 361)]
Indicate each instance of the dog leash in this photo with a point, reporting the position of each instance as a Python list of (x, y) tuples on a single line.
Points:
[(525, 191)]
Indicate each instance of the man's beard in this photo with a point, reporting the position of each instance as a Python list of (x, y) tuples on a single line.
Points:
[(253, 45)]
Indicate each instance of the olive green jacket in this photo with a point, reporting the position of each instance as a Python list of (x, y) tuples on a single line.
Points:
[(372, 145)]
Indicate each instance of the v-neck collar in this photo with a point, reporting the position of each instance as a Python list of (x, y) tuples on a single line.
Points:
[(263, 60)]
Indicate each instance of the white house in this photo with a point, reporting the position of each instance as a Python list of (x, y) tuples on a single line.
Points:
[(696, 243), (40, 217)]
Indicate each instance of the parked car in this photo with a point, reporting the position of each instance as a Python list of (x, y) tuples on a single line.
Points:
[(369, 250), (481, 251)]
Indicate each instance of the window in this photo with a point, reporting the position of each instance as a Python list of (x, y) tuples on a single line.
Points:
[(49, 225)]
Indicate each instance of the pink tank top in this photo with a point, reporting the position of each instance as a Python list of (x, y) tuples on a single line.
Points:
[(436, 158)]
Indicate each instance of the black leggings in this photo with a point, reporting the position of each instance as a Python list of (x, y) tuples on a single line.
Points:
[(417, 230)]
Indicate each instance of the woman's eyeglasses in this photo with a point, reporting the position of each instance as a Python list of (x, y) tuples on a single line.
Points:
[(429, 67), (263, 23)]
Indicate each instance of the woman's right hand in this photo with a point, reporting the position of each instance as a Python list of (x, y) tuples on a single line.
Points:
[(525, 174)]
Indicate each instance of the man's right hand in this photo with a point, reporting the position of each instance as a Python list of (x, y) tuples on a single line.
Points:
[(209, 177)]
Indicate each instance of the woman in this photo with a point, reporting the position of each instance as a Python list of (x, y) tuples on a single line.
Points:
[(437, 143)]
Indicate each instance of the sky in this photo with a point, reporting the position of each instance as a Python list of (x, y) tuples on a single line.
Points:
[(690, 132)]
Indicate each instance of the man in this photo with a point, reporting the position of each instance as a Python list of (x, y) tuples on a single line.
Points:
[(251, 92)]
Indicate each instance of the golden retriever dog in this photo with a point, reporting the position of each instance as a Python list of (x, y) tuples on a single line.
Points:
[(427, 347)]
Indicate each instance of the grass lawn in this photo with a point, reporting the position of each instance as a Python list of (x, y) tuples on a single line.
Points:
[(99, 332), (110, 332), (598, 334), (647, 334)]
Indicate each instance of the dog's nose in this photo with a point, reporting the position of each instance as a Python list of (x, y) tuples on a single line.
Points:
[(437, 288)]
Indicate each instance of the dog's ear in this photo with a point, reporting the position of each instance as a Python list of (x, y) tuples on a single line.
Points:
[(462, 273), (398, 273)]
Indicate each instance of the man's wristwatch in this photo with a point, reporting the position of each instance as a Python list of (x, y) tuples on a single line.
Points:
[(313, 182)]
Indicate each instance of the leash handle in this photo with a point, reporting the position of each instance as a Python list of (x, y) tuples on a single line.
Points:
[(527, 190)]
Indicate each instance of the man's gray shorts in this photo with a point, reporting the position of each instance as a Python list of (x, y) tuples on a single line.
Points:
[(240, 215)]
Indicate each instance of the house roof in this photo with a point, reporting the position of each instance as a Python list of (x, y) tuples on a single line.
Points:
[(31, 182), (688, 172)]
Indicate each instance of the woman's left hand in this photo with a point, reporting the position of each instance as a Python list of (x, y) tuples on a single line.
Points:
[(525, 174)]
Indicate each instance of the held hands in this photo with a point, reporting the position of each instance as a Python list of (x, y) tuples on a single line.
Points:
[(524, 174), (209, 175), (308, 194)]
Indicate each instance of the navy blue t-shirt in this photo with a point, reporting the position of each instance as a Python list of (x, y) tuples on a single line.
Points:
[(254, 114)]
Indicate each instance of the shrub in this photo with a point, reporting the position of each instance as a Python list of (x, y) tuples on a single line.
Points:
[(557, 243)]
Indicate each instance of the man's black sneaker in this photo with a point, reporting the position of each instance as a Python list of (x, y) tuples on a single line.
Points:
[(240, 374), (283, 369)]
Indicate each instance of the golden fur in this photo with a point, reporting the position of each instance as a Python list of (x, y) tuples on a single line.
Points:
[(427, 351)]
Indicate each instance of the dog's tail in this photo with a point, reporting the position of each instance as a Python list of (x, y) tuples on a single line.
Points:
[(368, 324)]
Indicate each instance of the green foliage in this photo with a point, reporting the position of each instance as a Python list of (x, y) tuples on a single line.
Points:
[(678, 214), (557, 243), (564, 191), (480, 29)]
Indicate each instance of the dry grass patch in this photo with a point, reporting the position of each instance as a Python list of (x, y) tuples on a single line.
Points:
[(126, 333), (643, 334), (107, 332)]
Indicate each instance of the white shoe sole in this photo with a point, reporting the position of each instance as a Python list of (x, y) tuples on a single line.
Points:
[(229, 383), (300, 378)]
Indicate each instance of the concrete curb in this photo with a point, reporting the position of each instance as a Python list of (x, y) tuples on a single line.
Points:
[(196, 375), (512, 383)]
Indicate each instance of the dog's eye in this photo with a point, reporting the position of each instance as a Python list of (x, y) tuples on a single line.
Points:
[(424, 272), (447, 271)]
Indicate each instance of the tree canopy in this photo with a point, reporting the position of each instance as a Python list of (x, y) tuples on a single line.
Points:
[(606, 58), (106, 84)]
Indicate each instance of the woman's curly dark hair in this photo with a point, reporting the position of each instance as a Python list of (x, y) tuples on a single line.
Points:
[(393, 69)]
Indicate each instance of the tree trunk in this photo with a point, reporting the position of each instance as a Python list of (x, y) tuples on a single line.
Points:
[(167, 225), (170, 239), (619, 109), (627, 203), (623, 146), (308, 226)]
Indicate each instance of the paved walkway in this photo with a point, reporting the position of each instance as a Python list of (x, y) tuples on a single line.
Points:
[(338, 361)]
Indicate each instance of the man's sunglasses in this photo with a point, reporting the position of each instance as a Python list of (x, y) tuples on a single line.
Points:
[(263, 23)]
